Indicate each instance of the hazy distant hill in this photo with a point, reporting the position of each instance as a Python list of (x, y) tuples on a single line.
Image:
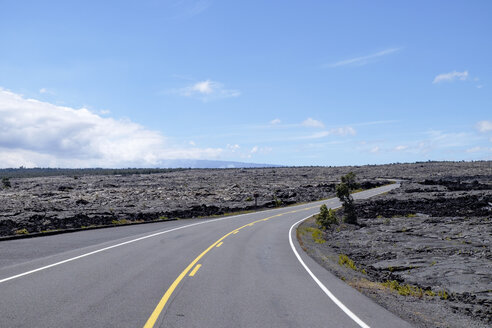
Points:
[(166, 166), (208, 164)]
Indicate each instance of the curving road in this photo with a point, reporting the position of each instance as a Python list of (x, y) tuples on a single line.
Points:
[(240, 271)]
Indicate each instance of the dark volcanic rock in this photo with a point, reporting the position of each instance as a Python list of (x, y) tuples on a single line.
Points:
[(435, 234)]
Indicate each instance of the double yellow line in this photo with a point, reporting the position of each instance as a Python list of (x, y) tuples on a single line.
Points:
[(162, 303)]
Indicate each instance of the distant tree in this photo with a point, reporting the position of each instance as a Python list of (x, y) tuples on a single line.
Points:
[(349, 180), (326, 217), (343, 193), (6, 182)]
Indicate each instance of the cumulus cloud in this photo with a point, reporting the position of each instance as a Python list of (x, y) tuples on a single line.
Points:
[(400, 148), (484, 126), (450, 77), (36, 133), (343, 131), (233, 148), (312, 123), (207, 90)]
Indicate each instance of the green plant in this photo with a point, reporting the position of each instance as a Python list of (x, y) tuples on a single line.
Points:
[(278, 202), (326, 217), (404, 290), (442, 294), (249, 199), (343, 193), (344, 260), (6, 182), (21, 232)]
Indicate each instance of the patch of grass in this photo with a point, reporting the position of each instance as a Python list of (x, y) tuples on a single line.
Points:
[(21, 232), (316, 234), (121, 221), (430, 293), (443, 294), (404, 290), (249, 199), (410, 215), (344, 260)]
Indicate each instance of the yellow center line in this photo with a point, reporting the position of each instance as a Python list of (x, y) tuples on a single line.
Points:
[(192, 273), (219, 244), (160, 306)]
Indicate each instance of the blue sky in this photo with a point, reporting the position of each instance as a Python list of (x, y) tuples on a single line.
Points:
[(132, 83)]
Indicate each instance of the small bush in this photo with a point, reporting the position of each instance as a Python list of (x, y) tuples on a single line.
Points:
[(6, 182), (344, 260), (326, 217)]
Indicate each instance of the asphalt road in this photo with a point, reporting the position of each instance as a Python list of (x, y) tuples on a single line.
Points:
[(241, 271)]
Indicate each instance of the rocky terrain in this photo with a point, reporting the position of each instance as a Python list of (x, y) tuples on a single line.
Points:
[(423, 250), (32, 205), (428, 240)]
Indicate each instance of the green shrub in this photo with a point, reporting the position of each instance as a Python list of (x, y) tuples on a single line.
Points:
[(343, 190), (326, 217), (6, 182)]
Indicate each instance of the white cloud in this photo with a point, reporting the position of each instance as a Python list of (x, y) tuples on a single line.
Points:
[(192, 143), (484, 126), (450, 77), (36, 133), (46, 91), (207, 90), (254, 150), (474, 149), (275, 121), (375, 149), (343, 131), (312, 123), (400, 148), (233, 148), (363, 60)]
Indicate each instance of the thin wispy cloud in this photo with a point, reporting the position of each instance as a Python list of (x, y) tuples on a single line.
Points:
[(340, 131), (207, 90), (275, 121), (451, 76), (363, 60), (189, 8)]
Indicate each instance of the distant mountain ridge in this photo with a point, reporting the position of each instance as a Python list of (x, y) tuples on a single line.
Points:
[(209, 164)]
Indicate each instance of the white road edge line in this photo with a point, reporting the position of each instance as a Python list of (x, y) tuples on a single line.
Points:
[(320, 284), (132, 241)]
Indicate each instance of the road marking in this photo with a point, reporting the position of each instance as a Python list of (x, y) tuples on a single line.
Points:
[(129, 242), (192, 273), (320, 284), (219, 244), (162, 303)]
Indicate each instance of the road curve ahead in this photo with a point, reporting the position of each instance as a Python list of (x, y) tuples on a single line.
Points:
[(240, 271)]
